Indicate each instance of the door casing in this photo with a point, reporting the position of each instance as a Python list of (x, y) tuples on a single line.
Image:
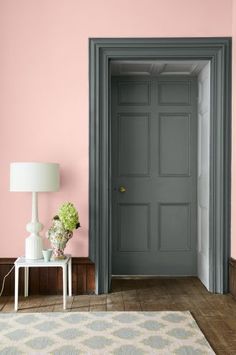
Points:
[(217, 50)]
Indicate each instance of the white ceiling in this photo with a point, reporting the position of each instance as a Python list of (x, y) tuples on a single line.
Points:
[(128, 67)]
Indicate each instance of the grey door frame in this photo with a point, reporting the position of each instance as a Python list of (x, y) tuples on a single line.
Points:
[(217, 50)]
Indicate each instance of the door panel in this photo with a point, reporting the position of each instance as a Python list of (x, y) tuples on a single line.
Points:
[(134, 223), (174, 93), (174, 227), (154, 156), (133, 159), (134, 93), (174, 136)]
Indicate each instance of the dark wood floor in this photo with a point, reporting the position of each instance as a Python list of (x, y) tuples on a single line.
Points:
[(215, 314)]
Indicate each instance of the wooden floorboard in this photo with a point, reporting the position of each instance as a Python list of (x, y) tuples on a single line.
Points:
[(214, 313)]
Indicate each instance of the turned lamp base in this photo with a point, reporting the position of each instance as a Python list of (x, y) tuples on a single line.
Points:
[(34, 243), (33, 247)]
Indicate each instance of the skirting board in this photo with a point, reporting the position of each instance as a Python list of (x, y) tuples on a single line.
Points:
[(49, 280), (232, 277)]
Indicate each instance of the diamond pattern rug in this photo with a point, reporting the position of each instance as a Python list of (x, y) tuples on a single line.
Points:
[(118, 333)]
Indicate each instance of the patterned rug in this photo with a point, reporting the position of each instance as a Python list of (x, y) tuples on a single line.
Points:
[(118, 333)]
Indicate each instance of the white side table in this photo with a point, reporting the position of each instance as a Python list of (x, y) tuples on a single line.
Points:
[(65, 264)]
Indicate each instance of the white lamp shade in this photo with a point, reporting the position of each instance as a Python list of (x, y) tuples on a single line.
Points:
[(36, 177)]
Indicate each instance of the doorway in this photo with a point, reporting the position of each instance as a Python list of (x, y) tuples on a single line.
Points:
[(160, 137), (218, 52)]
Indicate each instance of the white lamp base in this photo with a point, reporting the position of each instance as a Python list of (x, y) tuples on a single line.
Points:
[(34, 243), (33, 247)]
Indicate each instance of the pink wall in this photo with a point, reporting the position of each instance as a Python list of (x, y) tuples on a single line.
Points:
[(44, 90)]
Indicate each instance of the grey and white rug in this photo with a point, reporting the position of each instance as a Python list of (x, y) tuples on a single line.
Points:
[(118, 333)]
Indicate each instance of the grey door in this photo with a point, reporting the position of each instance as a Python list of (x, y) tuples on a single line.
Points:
[(154, 159)]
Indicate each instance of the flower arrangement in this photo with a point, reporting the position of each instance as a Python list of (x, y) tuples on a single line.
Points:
[(62, 228), (69, 217)]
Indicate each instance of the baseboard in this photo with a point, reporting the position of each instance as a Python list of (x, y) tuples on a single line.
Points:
[(49, 280), (232, 277)]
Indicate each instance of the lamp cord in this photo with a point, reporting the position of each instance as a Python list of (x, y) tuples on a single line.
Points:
[(3, 282)]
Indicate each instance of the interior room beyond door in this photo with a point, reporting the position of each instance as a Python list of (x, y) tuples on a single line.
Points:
[(154, 175)]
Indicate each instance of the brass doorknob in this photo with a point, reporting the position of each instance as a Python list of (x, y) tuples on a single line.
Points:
[(122, 189)]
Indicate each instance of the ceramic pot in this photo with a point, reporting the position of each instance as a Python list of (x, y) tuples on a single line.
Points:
[(58, 238), (58, 243)]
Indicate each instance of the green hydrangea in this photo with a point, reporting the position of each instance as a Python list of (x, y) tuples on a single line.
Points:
[(68, 216)]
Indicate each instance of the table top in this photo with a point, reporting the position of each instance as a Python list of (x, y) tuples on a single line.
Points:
[(21, 261)]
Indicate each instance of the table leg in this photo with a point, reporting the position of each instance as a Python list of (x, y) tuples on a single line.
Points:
[(70, 277), (26, 282), (16, 287), (64, 270)]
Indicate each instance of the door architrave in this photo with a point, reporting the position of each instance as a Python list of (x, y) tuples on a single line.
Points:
[(217, 50)]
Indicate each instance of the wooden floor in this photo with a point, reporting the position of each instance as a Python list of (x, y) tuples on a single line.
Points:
[(215, 314)]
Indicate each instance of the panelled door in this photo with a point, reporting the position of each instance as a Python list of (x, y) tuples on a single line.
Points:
[(154, 172)]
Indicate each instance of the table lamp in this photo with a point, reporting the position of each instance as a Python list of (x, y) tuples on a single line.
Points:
[(34, 177)]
